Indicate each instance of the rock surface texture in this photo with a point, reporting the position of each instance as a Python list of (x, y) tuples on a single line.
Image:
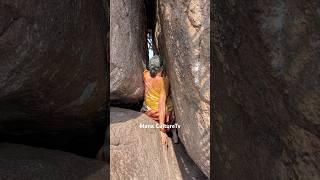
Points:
[(127, 50), (266, 89), (45, 67), (137, 153), (52, 68), (22, 162), (182, 34)]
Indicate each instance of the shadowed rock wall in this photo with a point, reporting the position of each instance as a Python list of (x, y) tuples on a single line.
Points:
[(52, 67), (266, 89), (23, 162)]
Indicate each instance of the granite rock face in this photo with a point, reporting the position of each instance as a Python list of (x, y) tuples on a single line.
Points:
[(23, 162), (53, 83), (127, 50), (182, 37), (266, 89), (53, 64), (137, 153)]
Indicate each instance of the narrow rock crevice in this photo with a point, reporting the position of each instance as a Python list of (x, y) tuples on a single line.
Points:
[(149, 16)]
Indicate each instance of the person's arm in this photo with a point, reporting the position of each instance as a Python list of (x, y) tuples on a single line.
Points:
[(162, 103), (162, 111)]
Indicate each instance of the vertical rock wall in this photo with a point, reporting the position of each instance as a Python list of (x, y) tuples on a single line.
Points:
[(52, 72), (182, 33), (127, 50), (105, 146), (266, 89), (52, 61)]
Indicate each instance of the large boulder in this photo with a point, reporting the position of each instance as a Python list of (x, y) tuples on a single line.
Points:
[(137, 153), (182, 36), (52, 58), (127, 51), (53, 65), (266, 89), (23, 162)]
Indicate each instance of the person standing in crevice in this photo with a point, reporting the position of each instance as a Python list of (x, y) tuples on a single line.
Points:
[(157, 102)]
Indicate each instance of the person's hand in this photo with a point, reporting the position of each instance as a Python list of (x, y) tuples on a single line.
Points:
[(151, 112), (153, 115), (163, 137), (167, 118)]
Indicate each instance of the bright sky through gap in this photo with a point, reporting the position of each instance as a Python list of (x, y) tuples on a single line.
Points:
[(150, 51)]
